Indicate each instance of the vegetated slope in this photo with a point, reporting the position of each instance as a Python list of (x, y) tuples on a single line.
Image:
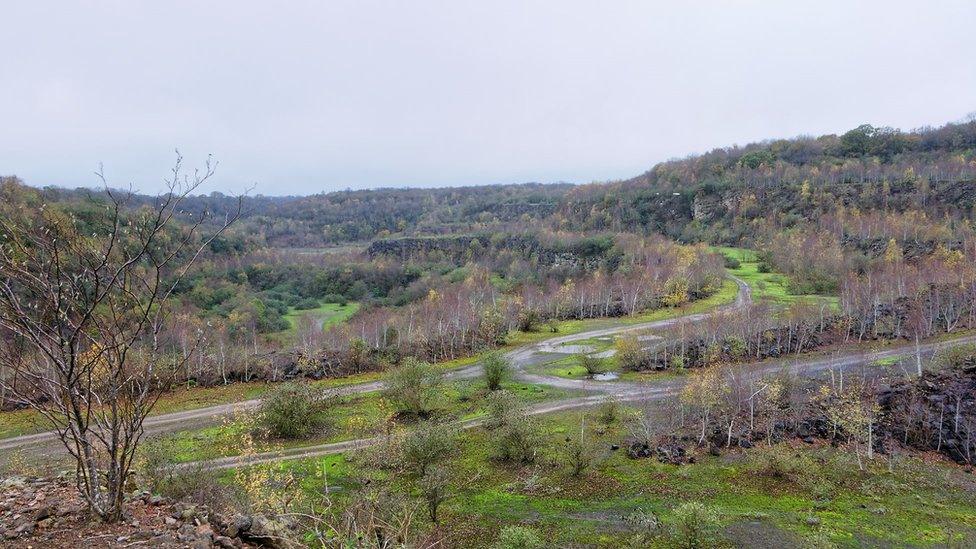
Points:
[(735, 193)]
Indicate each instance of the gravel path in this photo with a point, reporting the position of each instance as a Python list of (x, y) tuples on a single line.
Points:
[(45, 445)]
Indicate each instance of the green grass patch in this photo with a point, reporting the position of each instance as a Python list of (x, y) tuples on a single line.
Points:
[(919, 503), (771, 287), (329, 314)]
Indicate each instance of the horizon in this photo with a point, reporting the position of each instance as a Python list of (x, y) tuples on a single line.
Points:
[(373, 96)]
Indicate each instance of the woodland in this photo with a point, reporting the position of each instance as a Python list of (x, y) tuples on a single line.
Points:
[(763, 345)]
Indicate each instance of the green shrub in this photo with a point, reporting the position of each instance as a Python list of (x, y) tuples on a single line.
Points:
[(518, 537), (515, 437), (156, 472), (630, 356), (307, 304), (579, 455), (528, 321), (414, 387), (695, 526), (291, 410), (427, 445), (956, 357), (497, 370), (592, 365), (731, 262), (609, 411), (783, 464)]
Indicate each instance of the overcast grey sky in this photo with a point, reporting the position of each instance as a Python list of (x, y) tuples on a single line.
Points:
[(304, 97)]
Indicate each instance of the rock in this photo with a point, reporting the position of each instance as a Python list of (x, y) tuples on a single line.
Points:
[(25, 528), (139, 535), (205, 531), (188, 513), (639, 450), (44, 512), (671, 453), (170, 521), (224, 542), (157, 500), (186, 533), (162, 540), (812, 521), (267, 532), (239, 525), (204, 543)]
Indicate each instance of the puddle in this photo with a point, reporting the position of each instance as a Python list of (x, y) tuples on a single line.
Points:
[(575, 349), (606, 376)]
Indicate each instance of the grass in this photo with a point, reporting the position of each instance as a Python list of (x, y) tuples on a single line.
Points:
[(919, 504), (771, 287), (23, 422), (329, 314), (352, 417)]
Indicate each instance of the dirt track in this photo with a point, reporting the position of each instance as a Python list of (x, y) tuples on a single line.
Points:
[(46, 445)]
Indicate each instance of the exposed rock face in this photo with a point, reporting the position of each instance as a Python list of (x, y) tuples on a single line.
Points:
[(936, 412)]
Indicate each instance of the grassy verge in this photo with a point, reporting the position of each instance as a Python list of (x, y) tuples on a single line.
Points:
[(352, 417), (918, 503), (26, 421)]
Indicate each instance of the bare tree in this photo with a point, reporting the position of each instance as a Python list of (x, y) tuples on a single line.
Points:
[(82, 305)]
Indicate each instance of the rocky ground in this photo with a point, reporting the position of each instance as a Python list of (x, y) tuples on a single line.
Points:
[(47, 512)]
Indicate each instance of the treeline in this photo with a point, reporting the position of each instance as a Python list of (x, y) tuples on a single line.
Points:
[(742, 194), (896, 300), (723, 406), (473, 315), (451, 320)]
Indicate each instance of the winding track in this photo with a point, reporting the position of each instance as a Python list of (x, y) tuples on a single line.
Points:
[(47, 445)]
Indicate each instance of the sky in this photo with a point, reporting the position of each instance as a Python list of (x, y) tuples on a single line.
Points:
[(304, 97)]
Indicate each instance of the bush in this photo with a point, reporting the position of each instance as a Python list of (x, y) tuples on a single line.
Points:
[(427, 445), (291, 410), (956, 357), (435, 487), (592, 365), (307, 304), (518, 537), (783, 464), (731, 262), (527, 321), (579, 455), (334, 298), (414, 387), (156, 473), (497, 370), (514, 435), (609, 411), (629, 355), (695, 526)]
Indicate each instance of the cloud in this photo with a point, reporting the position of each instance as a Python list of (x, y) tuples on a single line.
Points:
[(305, 97)]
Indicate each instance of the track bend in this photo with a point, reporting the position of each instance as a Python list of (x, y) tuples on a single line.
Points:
[(47, 444)]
